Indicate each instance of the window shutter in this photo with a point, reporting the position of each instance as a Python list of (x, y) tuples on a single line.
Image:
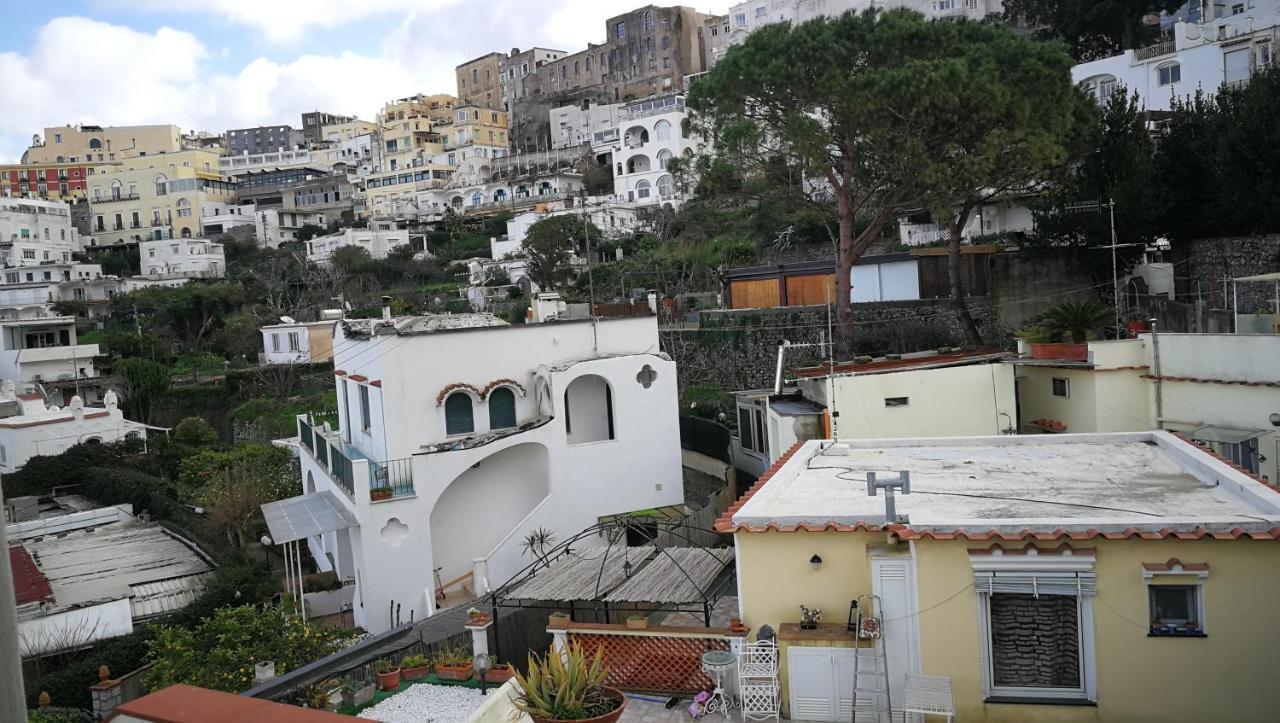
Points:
[(457, 414), (502, 409), (1081, 584)]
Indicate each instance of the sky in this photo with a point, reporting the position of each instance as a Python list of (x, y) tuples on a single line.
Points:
[(218, 64)]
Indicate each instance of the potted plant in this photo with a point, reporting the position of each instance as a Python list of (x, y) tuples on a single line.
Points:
[(499, 672), (637, 622), (453, 663), (324, 695), (477, 617), (356, 693), (415, 667), (568, 688), (810, 617), (380, 493), (558, 620), (388, 674)]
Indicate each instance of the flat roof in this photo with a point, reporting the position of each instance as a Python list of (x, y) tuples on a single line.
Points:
[(115, 562), (189, 704), (907, 362), (1080, 485)]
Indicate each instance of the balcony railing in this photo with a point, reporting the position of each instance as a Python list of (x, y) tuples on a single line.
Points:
[(1155, 51), (393, 478), (327, 454), (115, 199)]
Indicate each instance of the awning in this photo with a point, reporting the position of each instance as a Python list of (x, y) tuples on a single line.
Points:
[(298, 518), (1228, 435), (677, 575), (585, 574)]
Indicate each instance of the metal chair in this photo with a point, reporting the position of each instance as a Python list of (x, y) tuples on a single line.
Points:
[(929, 694)]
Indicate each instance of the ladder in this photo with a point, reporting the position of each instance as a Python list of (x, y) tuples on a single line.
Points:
[(871, 702)]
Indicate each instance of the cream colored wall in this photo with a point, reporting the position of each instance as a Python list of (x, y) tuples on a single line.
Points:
[(1227, 405), (1225, 676), (142, 173), (1122, 401), (775, 577), (320, 341), (1036, 400), (120, 141), (955, 401)]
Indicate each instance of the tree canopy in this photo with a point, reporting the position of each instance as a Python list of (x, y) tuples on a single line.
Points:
[(550, 245), (1093, 29)]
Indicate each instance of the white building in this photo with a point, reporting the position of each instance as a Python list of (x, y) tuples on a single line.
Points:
[(299, 342), (29, 290), (42, 350), (274, 226), (747, 17), (458, 435), (185, 258), (1217, 44), (34, 232), (30, 426), (997, 216), (573, 125), (650, 133), (218, 218), (492, 196), (378, 240)]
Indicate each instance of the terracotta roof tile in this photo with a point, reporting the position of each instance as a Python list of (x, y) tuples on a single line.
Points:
[(29, 584)]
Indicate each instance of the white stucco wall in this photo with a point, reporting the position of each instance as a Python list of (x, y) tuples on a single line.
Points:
[(74, 628), (956, 401)]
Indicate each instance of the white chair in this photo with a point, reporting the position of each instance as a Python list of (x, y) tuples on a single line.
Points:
[(929, 694), (758, 688)]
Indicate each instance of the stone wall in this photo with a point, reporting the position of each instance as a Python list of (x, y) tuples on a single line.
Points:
[(1024, 284), (1035, 641), (737, 349), (1204, 268)]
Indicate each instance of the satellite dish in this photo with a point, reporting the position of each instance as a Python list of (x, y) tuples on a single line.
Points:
[(287, 320)]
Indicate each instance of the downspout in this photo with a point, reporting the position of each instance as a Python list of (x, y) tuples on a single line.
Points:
[(1155, 353)]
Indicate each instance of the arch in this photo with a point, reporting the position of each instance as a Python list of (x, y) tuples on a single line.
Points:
[(687, 153), (662, 130), (162, 187), (636, 136), (666, 42), (666, 186), (61, 159), (186, 233), (639, 163), (664, 158), (1169, 73), (477, 198), (95, 144), (648, 20), (588, 409), (502, 408), (1100, 87), (459, 416), (115, 190), (500, 195), (93, 440), (544, 188), (522, 191), (456, 202), (642, 189), (502, 489)]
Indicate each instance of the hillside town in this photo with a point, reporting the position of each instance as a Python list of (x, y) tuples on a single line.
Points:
[(827, 360)]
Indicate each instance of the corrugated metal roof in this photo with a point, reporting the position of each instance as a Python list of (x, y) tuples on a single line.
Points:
[(304, 516), (165, 596), (104, 564)]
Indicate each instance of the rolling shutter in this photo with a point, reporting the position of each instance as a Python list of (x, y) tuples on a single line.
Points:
[(1081, 584)]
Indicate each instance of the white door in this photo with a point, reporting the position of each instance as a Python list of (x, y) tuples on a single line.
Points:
[(894, 581), (842, 666), (811, 683)]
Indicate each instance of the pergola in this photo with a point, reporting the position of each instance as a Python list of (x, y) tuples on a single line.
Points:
[(585, 573)]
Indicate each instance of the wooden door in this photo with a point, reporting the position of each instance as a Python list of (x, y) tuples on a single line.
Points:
[(754, 294)]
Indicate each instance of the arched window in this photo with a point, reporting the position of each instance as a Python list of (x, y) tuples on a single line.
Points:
[(588, 410), (544, 188), (1100, 87), (666, 42), (186, 233), (61, 159), (115, 190), (458, 418), (1169, 73), (666, 187), (95, 144), (184, 208), (477, 198), (642, 189), (648, 21), (456, 202), (502, 408), (664, 157), (500, 195), (638, 163), (161, 185), (662, 130)]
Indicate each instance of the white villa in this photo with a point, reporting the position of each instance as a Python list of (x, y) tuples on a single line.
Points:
[(650, 133), (378, 240), (42, 350), (458, 435), (182, 258), (30, 426)]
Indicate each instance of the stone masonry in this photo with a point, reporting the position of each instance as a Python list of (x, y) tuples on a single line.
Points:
[(1035, 641)]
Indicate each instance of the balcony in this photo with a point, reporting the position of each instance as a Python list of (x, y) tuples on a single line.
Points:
[(385, 480), (1154, 51), (115, 199), (84, 352)]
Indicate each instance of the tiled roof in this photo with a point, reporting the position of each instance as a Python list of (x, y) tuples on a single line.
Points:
[(906, 363), (29, 584), (724, 523)]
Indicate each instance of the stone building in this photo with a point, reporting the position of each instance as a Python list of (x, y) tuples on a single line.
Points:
[(479, 81)]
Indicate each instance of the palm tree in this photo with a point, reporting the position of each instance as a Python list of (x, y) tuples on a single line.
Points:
[(1077, 320)]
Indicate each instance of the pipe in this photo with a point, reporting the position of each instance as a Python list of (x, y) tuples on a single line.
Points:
[(777, 378), (1155, 354), (386, 309)]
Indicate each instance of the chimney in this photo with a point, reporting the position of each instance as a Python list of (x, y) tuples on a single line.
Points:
[(386, 309)]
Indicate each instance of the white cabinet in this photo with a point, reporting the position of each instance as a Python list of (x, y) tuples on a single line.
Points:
[(820, 681)]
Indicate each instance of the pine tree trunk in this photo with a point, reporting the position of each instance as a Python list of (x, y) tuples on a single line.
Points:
[(971, 336)]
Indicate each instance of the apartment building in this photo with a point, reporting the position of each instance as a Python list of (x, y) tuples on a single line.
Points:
[(34, 231), (52, 181), (101, 144), (347, 130), (263, 139), (314, 122), (31, 426), (1213, 45), (378, 240), (575, 125), (299, 342), (182, 258), (40, 349), (650, 133), (480, 81), (456, 435), (159, 196)]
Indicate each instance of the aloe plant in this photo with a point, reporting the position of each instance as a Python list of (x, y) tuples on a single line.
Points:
[(571, 688)]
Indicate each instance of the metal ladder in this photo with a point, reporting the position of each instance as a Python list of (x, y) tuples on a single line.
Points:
[(871, 702)]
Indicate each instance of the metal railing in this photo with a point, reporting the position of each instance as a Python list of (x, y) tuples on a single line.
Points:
[(395, 475), (340, 466), (327, 455), (1155, 51)]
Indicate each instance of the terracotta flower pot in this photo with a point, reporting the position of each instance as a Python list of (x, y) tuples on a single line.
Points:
[(479, 619), (610, 717), (499, 673), (417, 672), (453, 671), (389, 681)]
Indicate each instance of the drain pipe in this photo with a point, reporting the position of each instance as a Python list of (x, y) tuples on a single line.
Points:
[(1155, 354), (782, 353)]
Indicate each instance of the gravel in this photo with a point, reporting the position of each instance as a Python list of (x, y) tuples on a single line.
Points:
[(423, 702)]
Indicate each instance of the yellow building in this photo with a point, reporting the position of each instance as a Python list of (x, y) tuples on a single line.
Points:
[(338, 132), (155, 197), (1101, 577), (412, 133), (101, 144)]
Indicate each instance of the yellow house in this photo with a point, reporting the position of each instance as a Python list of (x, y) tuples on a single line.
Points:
[(155, 197), (1079, 577), (102, 144)]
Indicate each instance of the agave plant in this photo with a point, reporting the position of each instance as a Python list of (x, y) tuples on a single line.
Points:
[(568, 688), (1077, 321)]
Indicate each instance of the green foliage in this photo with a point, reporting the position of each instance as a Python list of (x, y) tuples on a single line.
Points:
[(1076, 322), (1094, 29), (190, 313), (708, 402), (550, 245), (120, 262), (275, 418), (569, 689), (220, 651), (308, 231), (413, 661), (233, 484), (145, 382), (321, 582), (121, 343), (195, 432), (70, 308)]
